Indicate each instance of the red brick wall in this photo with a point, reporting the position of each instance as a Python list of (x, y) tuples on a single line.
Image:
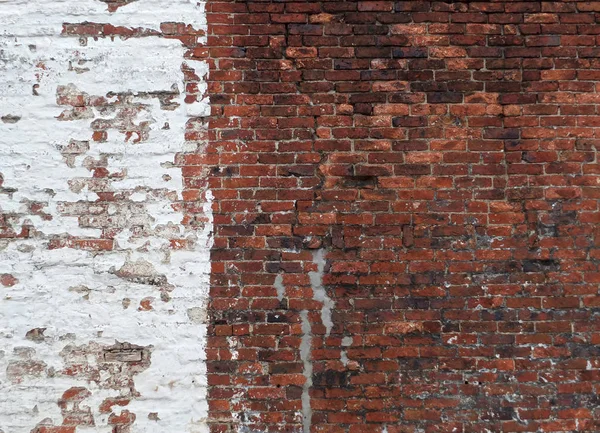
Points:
[(442, 157)]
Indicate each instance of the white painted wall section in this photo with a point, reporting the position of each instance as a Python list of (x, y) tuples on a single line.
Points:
[(63, 311)]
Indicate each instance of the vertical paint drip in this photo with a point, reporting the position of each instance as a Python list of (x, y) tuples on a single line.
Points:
[(319, 292), (305, 355), (279, 287)]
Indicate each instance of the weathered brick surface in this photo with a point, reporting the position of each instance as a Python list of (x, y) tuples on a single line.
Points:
[(406, 216), (403, 198)]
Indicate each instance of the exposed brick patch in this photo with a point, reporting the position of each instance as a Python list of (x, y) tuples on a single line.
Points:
[(113, 5), (443, 154), (8, 280)]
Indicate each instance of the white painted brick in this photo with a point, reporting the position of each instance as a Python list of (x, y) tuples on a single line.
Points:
[(78, 297)]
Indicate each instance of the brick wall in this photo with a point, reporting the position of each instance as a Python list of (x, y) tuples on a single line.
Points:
[(398, 201), (405, 217)]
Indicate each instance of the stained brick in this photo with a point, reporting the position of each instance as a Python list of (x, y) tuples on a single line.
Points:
[(430, 224)]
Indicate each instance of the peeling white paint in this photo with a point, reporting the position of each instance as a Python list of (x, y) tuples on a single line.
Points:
[(44, 17), (79, 296)]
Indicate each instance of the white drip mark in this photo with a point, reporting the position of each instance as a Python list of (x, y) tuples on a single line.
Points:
[(279, 287), (319, 293), (346, 341), (305, 355)]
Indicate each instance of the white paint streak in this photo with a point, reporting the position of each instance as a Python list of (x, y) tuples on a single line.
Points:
[(77, 295), (279, 287), (306, 357), (346, 342), (319, 292)]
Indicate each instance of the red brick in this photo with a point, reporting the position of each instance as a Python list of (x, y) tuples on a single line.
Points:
[(442, 156)]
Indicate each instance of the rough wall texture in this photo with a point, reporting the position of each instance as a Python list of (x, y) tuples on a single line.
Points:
[(406, 216), (396, 201), (104, 246)]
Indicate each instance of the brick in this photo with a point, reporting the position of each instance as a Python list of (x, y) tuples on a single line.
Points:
[(414, 182)]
